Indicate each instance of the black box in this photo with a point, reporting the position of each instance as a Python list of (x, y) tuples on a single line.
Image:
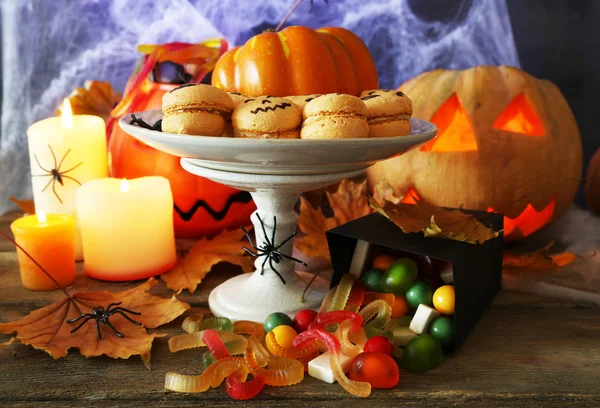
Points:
[(477, 269)]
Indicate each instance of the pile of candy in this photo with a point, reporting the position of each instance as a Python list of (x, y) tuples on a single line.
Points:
[(361, 325)]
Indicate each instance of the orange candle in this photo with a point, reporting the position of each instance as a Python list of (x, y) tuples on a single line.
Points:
[(50, 240)]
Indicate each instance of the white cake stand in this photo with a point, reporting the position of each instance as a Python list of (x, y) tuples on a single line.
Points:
[(275, 172)]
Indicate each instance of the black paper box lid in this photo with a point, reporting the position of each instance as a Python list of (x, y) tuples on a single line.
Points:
[(477, 269)]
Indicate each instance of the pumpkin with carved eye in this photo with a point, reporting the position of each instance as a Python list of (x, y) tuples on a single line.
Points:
[(506, 141)]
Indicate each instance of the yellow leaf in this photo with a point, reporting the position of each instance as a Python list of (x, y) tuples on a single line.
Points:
[(538, 259), (348, 203), (47, 328), (27, 206), (435, 221), (225, 247), (95, 98)]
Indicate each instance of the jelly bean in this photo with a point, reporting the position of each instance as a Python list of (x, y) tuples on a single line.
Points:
[(359, 389), (342, 292), (378, 369), (383, 262), (249, 328), (304, 319), (399, 276), (277, 319), (379, 344), (400, 307), (422, 353), (442, 329), (280, 372), (239, 389), (419, 293), (443, 299), (371, 279), (213, 376), (336, 317), (280, 351), (284, 335), (356, 297), (373, 296)]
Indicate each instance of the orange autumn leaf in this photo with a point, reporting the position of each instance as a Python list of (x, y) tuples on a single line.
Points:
[(47, 328), (27, 206), (348, 203), (435, 221), (95, 98), (538, 259), (193, 267)]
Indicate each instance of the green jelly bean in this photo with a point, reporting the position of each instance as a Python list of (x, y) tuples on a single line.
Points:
[(442, 329), (419, 293), (422, 353)]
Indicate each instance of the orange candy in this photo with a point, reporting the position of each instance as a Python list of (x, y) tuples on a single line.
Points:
[(383, 262), (377, 369), (400, 307)]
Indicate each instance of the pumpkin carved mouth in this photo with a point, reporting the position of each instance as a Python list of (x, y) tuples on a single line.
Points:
[(529, 221)]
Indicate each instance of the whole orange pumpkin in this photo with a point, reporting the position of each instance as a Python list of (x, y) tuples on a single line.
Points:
[(298, 60), (592, 183), (507, 141), (202, 207)]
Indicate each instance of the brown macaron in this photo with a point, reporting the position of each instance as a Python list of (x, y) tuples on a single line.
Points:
[(302, 100), (196, 109), (237, 98), (267, 117), (388, 112), (335, 116)]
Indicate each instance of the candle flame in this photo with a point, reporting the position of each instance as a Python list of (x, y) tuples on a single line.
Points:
[(41, 216), (67, 114), (124, 186)]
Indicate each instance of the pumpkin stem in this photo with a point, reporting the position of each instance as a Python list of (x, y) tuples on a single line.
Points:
[(288, 15)]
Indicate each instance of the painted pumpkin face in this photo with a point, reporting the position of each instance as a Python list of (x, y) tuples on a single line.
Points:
[(507, 141), (297, 61), (202, 207)]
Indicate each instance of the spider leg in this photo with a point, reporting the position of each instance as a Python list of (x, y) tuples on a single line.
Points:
[(262, 224), (54, 191), (274, 229), (80, 317), (128, 318), (71, 169), (82, 323), (291, 258), (62, 160), (275, 270), (40, 166), (113, 327), (250, 252), (51, 180), (249, 238), (111, 305), (125, 310), (262, 268), (53, 156), (98, 329), (70, 178), (286, 241)]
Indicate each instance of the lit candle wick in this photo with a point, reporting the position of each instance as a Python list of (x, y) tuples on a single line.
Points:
[(67, 114), (124, 186), (41, 216)]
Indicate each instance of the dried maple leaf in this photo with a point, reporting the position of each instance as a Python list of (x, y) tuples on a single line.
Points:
[(348, 203), (47, 328), (95, 98), (192, 268), (538, 259), (435, 221), (27, 206)]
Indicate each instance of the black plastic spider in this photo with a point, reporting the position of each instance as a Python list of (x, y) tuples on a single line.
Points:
[(268, 249), (56, 174), (142, 123), (102, 315)]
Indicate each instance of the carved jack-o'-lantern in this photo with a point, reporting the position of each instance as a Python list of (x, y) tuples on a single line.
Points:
[(202, 207), (507, 141)]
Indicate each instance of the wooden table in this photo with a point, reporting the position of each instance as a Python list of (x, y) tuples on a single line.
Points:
[(526, 352)]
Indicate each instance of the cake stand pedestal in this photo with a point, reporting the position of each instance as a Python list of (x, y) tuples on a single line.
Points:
[(253, 296)]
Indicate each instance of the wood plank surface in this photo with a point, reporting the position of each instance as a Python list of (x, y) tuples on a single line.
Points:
[(527, 351)]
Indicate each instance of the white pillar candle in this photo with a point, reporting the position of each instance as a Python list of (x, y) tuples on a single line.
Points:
[(64, 153), (127, 228)]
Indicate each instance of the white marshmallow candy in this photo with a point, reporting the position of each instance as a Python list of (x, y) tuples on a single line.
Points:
[(320, 368), (423, 316)]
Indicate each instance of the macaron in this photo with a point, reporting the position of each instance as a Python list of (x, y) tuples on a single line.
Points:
[(388, 112), (267, 117), (302, 100), (237, 98), (196, 109), (335, 116)]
